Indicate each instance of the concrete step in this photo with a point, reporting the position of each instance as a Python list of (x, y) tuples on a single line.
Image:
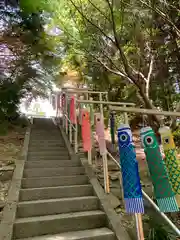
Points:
[(52, 164), (48, 172), (46, 144), (54, 181), (93, 234), (46, 148), (55, 192), (46, 140), (48, 158), (57, 206), (48, 135), (39, 153), (59, 223), (48, 154)]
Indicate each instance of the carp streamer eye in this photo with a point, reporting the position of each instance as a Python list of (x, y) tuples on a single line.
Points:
[(123, 137), (149, 140), (98, 119), (166, 140)]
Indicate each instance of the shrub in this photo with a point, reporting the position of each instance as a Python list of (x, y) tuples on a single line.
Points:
[(176, 135)]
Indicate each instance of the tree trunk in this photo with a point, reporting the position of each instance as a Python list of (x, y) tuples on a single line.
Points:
[(154, 120)]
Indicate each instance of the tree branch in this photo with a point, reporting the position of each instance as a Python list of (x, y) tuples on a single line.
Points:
[(163, 15), (122, 55), (91, 22), (99, 10), (150, 68)]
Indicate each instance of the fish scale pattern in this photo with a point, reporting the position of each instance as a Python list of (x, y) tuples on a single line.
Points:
[(158, 173), (131, 181), (173, 168)]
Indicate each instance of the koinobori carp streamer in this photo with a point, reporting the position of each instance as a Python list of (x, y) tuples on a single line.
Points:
[(171, 160), (100, 133), (130, 173), (162, 188), (72, 110), (86, 131)]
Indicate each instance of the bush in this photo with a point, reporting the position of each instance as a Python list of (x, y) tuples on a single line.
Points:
[(176, 135)]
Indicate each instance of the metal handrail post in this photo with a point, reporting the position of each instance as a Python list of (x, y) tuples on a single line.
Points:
[(104, 156), (76, 128)]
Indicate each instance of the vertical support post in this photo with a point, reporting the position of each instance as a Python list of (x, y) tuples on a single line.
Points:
[(104, 157), (90, 151), (139, 226), (89, 157), (66, 112), (92, 137), (80, 106), (56, 105), (106, 96), (76, 129), (70, 132), (126, 120)]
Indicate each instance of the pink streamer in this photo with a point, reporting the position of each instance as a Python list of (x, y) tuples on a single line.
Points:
[(86, 131), (63, 102), (100, 133), (58, 100), (72, 110)]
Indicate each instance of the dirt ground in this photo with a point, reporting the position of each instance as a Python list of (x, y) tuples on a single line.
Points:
[(10, 148)]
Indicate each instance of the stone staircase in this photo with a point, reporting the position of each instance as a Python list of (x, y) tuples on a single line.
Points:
[(56, 200)]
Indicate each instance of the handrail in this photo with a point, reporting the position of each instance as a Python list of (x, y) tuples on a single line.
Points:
[(156, 208), (125, 109), (107, 103), (70, 122)]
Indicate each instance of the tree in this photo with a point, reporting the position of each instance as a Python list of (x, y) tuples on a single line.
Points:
[(29, 60), (128, 39)]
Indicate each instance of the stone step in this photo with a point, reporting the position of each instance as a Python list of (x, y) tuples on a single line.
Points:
[(55, 192), (46, 140), (57, 206), (52, 164), (48, 158), (41, 153), (46, 148), (51, 134), (54, 181), (59, 223), (93, 234), (46, 144), (48, 172)]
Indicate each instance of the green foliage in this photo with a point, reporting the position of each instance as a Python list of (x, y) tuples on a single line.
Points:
[(32, 62), (159, 232), (176, 135)]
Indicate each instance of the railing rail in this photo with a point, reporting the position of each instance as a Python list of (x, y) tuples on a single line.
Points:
[(151, 202), (121, 107)]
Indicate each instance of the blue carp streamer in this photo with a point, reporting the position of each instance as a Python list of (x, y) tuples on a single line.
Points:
[(130, 172)]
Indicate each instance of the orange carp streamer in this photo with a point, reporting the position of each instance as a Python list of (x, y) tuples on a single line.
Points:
[(86, 131), (72, 110), (100, 133)]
